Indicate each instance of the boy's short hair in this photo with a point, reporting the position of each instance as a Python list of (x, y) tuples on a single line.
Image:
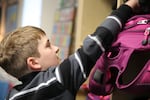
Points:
[(17, 46)]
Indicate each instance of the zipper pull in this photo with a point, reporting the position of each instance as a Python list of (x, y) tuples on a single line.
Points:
[(146, 34), (143, 21)]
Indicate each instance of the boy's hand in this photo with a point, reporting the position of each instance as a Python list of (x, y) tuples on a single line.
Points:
[(144, 2), (145, 5), (134, 4), (139, 6)]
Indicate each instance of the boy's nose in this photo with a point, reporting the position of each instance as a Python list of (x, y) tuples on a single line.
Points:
[(56, 49)]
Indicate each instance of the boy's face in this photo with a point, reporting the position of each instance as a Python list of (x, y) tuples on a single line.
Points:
[(48, 53)]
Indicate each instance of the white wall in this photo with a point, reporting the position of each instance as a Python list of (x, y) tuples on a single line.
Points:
[(47, 19), (31, 12), (47, 14)]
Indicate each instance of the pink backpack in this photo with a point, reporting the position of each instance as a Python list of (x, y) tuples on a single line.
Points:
[(126, 65)]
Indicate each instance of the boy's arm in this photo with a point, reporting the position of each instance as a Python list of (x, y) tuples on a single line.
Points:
[(76, 68)]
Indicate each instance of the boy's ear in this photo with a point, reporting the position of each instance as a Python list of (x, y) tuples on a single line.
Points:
[(33, 63)]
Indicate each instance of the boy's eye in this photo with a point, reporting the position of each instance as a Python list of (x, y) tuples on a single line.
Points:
[(48, 44)]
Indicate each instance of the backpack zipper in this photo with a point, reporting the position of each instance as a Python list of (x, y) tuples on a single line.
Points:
[(140, 22), (146, 36), (145, 21)]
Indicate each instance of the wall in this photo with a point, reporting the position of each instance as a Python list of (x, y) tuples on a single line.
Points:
[(47, 16), (48, 11)]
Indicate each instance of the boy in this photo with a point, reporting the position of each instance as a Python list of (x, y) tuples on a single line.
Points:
[(27, 54)]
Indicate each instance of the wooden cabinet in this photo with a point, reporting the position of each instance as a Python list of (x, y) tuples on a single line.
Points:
[(90, 13)]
